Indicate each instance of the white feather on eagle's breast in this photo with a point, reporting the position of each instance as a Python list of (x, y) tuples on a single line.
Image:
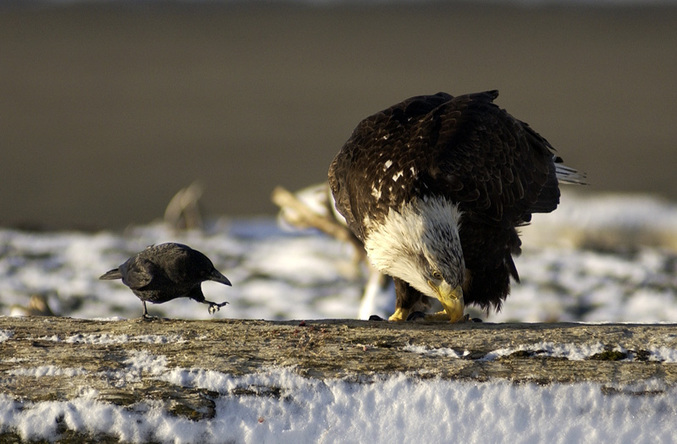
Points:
[(435, 187)]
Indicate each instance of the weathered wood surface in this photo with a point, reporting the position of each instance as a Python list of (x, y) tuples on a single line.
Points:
[(59, 359), (349, 349)]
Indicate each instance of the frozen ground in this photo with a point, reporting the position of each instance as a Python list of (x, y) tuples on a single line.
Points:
[(596, 259)]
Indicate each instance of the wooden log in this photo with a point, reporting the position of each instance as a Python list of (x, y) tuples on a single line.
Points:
[(299, 214), (59, 359), (349, 349)]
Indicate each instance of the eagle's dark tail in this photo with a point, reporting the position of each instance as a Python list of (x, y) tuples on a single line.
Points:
[(567, 174), (550, 194)]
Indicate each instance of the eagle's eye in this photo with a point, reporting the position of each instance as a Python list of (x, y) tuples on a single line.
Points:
[(437, 275)]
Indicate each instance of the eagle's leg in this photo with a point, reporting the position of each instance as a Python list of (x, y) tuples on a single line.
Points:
[(400, 314), (405, 298)]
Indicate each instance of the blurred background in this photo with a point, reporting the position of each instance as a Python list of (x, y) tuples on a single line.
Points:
[(108, 109)]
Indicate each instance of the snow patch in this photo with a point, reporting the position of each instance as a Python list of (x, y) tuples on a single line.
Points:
[(278, 406), (6, 335), (106, 338), (572, 352), (47, 370), (435, 352)]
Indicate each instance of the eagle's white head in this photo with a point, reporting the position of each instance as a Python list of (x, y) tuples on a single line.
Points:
[(419, 243)]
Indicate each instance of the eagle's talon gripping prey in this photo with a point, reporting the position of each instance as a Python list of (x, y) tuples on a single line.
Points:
[(168, 271), (435, 186)]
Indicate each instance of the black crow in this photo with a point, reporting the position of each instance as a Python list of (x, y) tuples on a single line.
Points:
[(168, 271)]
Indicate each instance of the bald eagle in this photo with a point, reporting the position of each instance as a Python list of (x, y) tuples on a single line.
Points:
[(435, 187)]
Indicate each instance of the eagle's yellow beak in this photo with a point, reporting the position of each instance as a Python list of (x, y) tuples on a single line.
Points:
[(451, 299)]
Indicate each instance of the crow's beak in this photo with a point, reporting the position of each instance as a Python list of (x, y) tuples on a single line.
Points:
[(216, 276)]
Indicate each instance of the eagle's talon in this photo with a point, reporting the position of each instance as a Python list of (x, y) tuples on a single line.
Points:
[(416, 316), (376, 318), (400, 314)]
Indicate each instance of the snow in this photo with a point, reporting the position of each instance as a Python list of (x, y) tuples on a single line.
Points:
[(577, 265), (5, 335), (105, 338), (391, 409), (570, 352), (596, 259), (46, 370)]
